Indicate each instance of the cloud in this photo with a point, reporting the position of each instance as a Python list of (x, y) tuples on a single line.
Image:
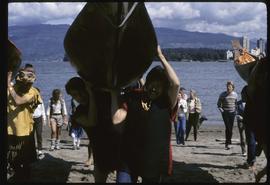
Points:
[(242, 18), (172, 11), (42, 13), (236, 19)]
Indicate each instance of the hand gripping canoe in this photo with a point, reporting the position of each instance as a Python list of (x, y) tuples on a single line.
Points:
[(111, 44)]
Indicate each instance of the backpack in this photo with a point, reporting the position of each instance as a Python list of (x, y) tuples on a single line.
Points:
[(62, 106)]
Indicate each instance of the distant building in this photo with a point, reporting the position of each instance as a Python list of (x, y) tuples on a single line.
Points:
[(261, 46), (245, 43), (255, 51), (229, 54)]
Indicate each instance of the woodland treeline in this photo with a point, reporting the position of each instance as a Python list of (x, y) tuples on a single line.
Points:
[(194, 54)]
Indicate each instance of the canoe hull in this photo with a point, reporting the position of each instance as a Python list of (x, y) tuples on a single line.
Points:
[(105, 52), (14, 58), (245, 70)]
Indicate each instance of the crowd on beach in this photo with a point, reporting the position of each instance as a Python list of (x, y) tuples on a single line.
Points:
[(132, 124)]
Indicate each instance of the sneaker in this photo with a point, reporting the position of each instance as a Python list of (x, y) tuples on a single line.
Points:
[(40, 152), (74, 147), (244, 154), (52, 148), (40, 155), (78, 147), (227, 147), (57, 147), (249, 165)]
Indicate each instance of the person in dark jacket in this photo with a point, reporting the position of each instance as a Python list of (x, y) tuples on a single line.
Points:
[(147, 115), (240, 113)]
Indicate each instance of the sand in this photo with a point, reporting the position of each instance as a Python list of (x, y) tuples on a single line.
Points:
[(205, 160)]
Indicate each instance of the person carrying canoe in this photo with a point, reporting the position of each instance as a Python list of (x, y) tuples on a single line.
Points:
[(147, 117)]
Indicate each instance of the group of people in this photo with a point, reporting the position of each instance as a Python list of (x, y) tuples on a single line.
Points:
[(231, 108), (131, 124), (188, 115), (26, 118)]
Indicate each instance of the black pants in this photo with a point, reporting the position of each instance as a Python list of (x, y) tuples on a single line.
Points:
[(228, 118), (241, 128), (251, 146), (38, 131), (21, 153), (193, 121)]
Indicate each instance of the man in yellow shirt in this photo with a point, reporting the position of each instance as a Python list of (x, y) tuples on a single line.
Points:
[(22, 101)]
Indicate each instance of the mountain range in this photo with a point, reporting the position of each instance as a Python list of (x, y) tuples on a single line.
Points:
[(45, 42)]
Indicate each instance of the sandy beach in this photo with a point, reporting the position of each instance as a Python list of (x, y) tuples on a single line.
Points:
[(205, 160)]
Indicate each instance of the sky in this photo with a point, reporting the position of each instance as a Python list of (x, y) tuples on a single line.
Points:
[(236, 19)]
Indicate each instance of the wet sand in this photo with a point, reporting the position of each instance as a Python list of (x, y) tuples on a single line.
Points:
[(205, 160)]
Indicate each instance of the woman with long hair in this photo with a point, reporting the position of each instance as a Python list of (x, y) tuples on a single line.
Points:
[(57, 116), (194, 111)]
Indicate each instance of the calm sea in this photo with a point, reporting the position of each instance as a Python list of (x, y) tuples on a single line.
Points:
[(207, 78)]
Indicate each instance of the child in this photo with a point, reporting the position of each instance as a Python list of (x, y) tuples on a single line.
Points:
[(76, 88), (76, 132), (57, 116)]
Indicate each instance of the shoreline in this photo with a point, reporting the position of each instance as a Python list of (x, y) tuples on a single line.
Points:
[(205, 160)]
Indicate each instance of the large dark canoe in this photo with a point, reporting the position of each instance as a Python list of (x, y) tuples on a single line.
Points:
[(244, 62), (14, 58), (245, 70), (111, 44)]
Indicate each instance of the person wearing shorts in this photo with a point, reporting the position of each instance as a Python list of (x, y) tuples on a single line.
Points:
[(57, 116)]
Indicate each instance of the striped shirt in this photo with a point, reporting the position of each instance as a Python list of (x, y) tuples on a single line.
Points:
[(227, 102)]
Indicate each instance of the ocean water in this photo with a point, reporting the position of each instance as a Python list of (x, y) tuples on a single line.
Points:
[(207, 78)]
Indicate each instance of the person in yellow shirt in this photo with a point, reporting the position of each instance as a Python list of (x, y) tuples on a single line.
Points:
[(22, 101)]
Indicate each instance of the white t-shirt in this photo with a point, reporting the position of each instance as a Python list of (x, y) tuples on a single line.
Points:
[(183, 110)]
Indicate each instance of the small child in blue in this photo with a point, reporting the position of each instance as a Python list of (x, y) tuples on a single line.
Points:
[(76, 134)]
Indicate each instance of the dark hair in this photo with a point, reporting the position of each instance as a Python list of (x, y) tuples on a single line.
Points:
[(75, 83), (230, 83), (158, 74), (56, 92), (28, 65)]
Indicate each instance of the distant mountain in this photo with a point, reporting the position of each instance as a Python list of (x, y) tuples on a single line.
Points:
[(45, 42), (39, 42), (171, 38)]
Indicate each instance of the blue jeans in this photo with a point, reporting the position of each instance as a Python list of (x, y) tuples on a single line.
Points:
[(228, 118), (180, 127), (125, 177), (251, 146)]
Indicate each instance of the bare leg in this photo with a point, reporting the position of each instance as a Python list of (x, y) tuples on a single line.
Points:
[(53, 134), (58, 134), (263, 172)]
